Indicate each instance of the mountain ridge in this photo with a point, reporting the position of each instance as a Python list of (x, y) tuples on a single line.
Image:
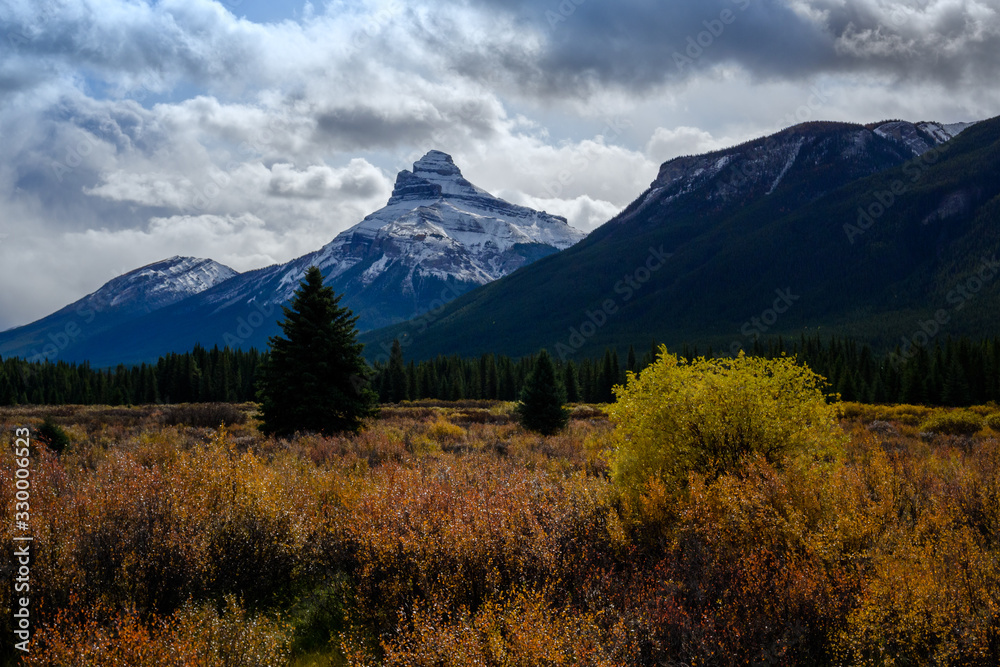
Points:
[(438, 234), (119, 301), (727, 246)]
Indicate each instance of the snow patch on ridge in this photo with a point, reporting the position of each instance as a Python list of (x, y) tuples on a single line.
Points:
[(788, 165)]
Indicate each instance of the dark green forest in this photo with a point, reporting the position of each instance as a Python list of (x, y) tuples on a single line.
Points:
[(952, 373)]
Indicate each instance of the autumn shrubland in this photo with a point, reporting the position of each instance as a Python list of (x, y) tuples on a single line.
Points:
[(445, 534)]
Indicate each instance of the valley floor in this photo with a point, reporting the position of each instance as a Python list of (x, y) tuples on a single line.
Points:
[(444, 534)]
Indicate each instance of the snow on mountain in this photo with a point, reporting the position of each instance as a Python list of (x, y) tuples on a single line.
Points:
[(116, 306), (437, 237), (920, 137), (437, 225), (944, 133), (776, 166), (158, 285)]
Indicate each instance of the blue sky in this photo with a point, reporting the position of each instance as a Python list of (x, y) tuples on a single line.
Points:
[(252, 132)]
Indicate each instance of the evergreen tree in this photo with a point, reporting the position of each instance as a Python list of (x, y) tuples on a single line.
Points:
[(572, 384), (607, 379), (314, 378), (956, 391), (412, 390), (396, 389), (542, 399)]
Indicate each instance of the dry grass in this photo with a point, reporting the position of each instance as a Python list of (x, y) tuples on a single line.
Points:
[(447, 535)]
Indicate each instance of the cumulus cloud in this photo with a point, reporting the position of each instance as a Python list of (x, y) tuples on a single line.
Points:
[(666, 143), (583, 212), (133, 129)]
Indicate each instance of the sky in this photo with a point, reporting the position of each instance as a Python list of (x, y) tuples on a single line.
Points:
[(253, 132)]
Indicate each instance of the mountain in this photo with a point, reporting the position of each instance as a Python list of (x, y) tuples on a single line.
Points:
[(118, 303), (439, 236), (822, 228)]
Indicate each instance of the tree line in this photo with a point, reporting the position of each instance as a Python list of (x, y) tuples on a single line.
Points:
[(199, 376), (951, 373)]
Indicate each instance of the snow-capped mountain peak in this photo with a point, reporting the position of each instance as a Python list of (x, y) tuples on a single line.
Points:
[(434, 176), (436, 226), (159, 284)]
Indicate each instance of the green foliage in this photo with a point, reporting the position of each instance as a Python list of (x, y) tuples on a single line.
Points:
[(315, 378), (54, 435), (956, 373), (959, 422), (197, 376), (396, 381), (542, 406), (705, 415)]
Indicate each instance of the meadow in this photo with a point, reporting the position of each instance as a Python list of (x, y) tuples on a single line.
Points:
[(445, 534)]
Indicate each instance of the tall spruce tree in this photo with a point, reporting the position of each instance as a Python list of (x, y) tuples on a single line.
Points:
[(571, 383), (314, 378), (542, 399), (397, 388)]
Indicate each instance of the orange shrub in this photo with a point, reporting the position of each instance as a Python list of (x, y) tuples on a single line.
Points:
[(191, 637), (465, 530), (520, 629)]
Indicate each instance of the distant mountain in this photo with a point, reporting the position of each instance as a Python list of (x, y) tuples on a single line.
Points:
[(822, 228), (438, 233), (438, 237), (118, 303)]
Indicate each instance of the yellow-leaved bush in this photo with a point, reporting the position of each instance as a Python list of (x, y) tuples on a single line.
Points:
[(705, 415)]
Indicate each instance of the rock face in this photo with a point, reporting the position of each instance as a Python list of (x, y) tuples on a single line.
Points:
[(438, 237), (438, 234), (437, 230)]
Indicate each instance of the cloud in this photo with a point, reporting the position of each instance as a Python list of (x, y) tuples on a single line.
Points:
[(578, 48), (666, 144), (179, 127), (583, 212), (66, 266)]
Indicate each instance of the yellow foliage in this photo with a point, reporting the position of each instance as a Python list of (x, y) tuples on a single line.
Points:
[(993, 421), (956, 422), (705, 416), (521, 630), (444, 432)]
